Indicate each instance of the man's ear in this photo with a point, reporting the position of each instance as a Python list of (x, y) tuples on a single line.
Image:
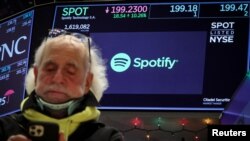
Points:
[(89, 80), (35, 69)]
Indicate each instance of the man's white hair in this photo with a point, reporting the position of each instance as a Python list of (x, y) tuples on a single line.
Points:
[(98, 68)]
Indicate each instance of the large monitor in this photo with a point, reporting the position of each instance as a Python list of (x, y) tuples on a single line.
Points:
[(168, 55), (15, 39)]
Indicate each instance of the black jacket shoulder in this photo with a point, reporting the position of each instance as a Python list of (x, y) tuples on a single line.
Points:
[(10, 125), (87, 131), (97, 131)]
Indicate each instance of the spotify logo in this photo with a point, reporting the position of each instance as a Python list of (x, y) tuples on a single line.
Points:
[(120, 62)]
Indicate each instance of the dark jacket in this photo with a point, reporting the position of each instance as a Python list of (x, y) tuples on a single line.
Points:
[(90, 130)]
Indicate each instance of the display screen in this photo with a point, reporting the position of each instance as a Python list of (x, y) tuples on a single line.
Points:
[(148, 57), (165, 55), (15, 40)]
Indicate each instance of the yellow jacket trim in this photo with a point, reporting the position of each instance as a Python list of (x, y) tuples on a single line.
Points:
[(67, 125)]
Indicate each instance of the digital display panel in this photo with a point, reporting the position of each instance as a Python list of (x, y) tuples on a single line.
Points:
[(152, 56), (165, 55), (15, 40)]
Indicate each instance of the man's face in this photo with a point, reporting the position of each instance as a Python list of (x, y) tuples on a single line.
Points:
[(62, 75)]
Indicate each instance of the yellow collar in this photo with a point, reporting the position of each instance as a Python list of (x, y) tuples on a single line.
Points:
[(67, 125)]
